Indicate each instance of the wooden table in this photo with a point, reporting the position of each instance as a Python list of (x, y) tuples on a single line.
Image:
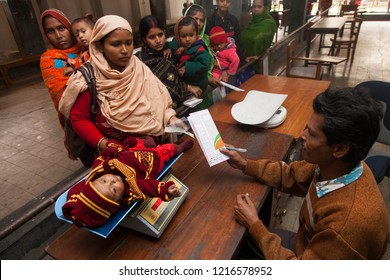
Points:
[(326, 25), (301, 93), (203, 227)]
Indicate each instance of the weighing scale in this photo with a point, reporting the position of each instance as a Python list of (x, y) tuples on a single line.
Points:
[(150, 217)]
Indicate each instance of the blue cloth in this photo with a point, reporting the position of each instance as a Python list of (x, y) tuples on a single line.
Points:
[(325, 187)]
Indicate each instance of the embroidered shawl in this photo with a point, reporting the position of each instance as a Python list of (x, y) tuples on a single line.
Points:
[(166, 70)]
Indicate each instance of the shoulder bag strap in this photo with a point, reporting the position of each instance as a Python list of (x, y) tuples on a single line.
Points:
[(89, 76)]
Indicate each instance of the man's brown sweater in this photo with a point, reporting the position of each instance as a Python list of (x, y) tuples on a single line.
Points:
[(348, 223)]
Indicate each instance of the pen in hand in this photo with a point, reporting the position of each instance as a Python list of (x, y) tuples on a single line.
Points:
[(241, 150)]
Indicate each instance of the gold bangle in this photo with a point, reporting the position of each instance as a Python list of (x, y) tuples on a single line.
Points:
[(98, 144), (188, 87)]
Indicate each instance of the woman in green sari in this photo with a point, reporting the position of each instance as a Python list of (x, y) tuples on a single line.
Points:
[(257, 36)]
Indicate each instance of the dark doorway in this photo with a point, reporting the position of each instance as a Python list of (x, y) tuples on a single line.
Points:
[(24, 26)]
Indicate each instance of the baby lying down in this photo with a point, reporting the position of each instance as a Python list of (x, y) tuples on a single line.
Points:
[(122, 174)]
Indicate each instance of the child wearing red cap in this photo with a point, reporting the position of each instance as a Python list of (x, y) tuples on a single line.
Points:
[(224, 49), (122, 174)]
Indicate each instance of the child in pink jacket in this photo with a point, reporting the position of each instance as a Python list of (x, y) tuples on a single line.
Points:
[(224, 49)]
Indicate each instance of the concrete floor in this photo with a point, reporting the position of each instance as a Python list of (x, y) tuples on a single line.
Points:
[(33, 157)]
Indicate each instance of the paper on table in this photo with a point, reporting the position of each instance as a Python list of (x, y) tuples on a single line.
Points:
[(192, 102), (232, 87), (177, 129), (208, 136)]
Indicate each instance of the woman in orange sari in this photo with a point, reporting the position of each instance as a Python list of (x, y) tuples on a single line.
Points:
[(58, 63)]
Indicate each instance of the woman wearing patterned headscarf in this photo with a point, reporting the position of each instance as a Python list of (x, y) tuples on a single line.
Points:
[(59, 62), (132, 100), (153, 50)]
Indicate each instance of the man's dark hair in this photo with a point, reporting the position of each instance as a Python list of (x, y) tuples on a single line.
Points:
[(351, 117)]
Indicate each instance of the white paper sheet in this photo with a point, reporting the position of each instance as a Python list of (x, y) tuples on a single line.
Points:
[(192, 102), (208, 136), (231, 86)]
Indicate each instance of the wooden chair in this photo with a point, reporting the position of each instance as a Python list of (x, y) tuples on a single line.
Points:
[(349, 42), (307, 72), (348, 10)]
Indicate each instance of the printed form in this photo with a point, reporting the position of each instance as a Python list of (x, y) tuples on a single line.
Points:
[(208, 136)]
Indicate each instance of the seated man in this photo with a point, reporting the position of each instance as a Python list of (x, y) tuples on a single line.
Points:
[(121, 175), (343, 215)]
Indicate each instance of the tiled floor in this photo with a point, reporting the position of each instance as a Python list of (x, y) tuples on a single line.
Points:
[(33, 158)]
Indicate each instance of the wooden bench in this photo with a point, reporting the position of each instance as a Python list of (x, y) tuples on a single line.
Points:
[(14, 63)]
